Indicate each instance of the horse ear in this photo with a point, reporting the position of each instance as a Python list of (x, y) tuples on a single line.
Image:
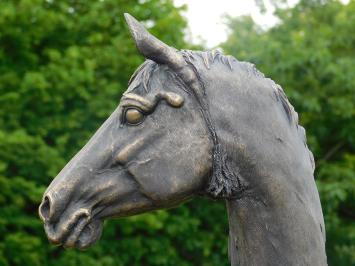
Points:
[(161, 53), (151, 47)]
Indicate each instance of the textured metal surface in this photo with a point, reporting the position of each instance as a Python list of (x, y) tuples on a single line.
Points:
[(196, 123)]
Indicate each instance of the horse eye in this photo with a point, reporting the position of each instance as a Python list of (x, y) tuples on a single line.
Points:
[(133, 116)]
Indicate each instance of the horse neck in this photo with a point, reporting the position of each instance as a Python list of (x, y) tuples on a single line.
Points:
[(261, 233), (279, 220)]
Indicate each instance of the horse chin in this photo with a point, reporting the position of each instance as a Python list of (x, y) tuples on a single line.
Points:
[(89, 235)]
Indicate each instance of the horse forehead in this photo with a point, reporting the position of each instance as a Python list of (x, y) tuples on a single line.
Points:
[(149, 83), (141, 92)]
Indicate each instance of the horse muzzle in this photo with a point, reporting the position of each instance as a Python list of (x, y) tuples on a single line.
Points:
[(70, 225), (79, 230)]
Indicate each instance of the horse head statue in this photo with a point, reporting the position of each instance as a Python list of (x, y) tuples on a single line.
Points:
[(196, 123)]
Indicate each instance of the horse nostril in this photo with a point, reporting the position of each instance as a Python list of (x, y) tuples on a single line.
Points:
[(44, 209)]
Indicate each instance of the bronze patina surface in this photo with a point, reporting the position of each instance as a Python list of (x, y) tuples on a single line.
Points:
[(196, 123)]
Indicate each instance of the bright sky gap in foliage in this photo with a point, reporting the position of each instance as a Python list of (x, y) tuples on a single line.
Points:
[(205, 18)]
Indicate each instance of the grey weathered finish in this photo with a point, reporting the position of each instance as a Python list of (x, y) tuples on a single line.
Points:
[(196, 123)]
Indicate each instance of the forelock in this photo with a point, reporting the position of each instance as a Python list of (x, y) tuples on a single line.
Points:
[(140, 80)]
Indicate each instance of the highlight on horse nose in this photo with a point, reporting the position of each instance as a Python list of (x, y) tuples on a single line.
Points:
[(44, 209)]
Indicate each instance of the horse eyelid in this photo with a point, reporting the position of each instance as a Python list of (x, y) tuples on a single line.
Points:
[(173, 99)]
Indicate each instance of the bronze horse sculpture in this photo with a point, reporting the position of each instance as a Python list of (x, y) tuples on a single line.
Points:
[(196, 123)]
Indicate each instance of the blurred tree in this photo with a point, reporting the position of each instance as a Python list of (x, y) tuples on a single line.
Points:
[(311, 53), (63, 67)]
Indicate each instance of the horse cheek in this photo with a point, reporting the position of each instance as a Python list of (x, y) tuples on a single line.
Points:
[(164, 181)]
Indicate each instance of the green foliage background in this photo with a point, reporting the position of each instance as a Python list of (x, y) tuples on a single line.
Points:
[(63, 67)]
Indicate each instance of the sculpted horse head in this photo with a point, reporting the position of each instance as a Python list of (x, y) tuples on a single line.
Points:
[(196, 123)]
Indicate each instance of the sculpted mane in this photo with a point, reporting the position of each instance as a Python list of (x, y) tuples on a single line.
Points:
[(224, 183)]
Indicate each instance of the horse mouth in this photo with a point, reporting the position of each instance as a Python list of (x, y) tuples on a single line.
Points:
[(81, 234)]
